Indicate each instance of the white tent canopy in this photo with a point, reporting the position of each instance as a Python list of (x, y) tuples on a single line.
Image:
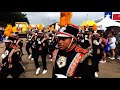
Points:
[(107, 22)]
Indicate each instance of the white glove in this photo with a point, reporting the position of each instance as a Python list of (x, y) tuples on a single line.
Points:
[(3, 56), (35, 33), (50, 37), (95, 42), (50, 41), (39, 42), (60, 76), (29, 39), (86, 38), (82, 40)]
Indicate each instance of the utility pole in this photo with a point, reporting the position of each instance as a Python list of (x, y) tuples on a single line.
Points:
[(87, 16)]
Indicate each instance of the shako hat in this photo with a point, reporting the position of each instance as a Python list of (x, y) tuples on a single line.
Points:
[(70, 30)]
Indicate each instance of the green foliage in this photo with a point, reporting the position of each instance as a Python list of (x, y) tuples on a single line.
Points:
[(12, 17)]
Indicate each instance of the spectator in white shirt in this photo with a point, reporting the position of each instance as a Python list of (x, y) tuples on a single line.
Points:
[(112, 43)]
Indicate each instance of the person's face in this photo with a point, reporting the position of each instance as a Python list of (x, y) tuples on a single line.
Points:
[(87, 32), (95, 36), (16, 37), (40, 34), (63, 42)]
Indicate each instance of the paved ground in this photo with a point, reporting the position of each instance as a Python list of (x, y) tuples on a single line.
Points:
[(110, 69)]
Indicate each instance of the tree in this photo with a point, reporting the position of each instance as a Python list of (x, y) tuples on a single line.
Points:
[(12, 17)]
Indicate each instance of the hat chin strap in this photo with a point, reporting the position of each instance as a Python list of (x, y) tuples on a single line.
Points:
[(70, 43)]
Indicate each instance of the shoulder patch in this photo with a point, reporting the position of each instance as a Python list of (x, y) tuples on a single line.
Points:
[(81, 50)]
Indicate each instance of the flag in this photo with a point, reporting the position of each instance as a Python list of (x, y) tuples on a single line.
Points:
[(116, 17), (108, 14)]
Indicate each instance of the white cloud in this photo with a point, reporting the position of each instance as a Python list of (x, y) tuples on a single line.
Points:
[(47, 18)]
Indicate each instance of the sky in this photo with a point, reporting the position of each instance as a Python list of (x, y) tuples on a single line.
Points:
[(47, 18)]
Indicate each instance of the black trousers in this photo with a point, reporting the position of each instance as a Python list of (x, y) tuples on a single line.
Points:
[(28, 45), (36, 54), (118, 49), (43, 56), (51, 48), (8, 71), (96, 59)]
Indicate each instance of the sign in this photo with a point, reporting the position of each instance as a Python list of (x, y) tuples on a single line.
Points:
[(113, 15), (108, 14), (116, 17)]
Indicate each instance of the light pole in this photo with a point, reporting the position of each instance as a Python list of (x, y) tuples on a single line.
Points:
[(87, 16)]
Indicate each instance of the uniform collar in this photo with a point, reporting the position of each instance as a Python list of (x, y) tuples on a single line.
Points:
[(71, 48)]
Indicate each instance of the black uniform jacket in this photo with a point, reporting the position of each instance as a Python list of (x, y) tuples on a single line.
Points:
[(83, 68)]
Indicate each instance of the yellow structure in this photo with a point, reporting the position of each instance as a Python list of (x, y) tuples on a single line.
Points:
[(84, 23), (89, 23), (21, 27), (14, 29)]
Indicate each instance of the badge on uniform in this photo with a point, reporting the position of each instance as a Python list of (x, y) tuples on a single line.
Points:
[(38, 39), (18, 53), (29, 36), (6, 53), (61, 61)]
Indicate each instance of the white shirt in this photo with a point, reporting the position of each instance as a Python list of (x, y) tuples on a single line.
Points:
[(113, 41)]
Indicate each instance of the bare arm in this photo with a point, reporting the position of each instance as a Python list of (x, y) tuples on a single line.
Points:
[(3, 50), (11, 53), (18, 41)]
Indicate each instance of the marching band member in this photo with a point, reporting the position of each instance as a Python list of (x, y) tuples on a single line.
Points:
[(29, 44), (96, 45), (70, 60), (39, 48), (11, 63)]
